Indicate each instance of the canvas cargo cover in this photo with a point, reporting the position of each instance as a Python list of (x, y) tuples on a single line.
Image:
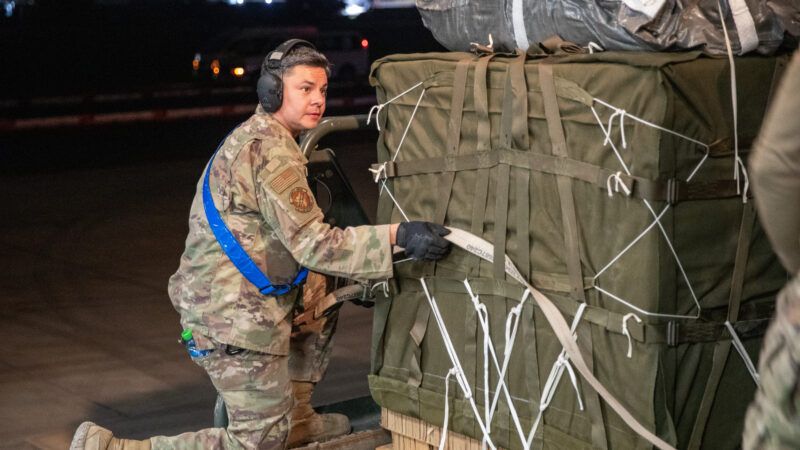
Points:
[(480, 150)]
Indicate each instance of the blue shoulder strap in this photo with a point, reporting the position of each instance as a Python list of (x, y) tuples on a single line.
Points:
[(234, 250)]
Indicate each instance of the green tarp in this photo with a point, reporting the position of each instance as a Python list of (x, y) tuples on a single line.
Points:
[(509, 148)]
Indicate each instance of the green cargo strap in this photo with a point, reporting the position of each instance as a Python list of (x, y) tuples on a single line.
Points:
[(519, 133), (722, 348), (484, 138), (670, 190), (593, 408), (609, 320), (481, 100), (502, 172), (453, 137), (470, 358), (501, 219), (380, 317), (673, 191), (522, 210), (558, 46), (510, 135), (565, 89), (531, 358), (568, 215), (417, 333), (519, 91), (740, 263), (752, 321), (675, 333), (483, 143), (479, 209)]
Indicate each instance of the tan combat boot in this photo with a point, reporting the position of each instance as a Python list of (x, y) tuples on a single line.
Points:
[(92, 437), (307, 425)]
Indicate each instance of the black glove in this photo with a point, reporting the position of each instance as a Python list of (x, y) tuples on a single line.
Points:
[(423, 240)]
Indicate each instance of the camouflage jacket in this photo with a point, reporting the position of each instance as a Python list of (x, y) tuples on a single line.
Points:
[(258, 181), (775, 170)]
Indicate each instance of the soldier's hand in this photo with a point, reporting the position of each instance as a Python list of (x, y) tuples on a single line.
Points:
[(423, 240)]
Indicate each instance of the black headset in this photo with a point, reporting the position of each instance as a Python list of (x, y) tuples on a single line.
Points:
[(270, 86)]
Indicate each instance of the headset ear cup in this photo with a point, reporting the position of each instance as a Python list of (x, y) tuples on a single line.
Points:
[(270, 87), (270, 92)]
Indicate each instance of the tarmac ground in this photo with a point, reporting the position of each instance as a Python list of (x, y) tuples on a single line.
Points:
[(94, 224)]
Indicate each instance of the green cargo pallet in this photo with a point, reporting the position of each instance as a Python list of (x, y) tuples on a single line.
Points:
[(562, 162)]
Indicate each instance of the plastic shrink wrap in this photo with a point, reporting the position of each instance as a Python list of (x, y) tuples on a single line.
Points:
[(651, 25)]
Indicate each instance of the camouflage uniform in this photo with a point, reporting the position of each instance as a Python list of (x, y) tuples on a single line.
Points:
[(311, 341), (258, 180), (773, 420)]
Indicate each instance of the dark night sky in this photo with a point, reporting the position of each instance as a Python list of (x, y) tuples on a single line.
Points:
[(58, 47)]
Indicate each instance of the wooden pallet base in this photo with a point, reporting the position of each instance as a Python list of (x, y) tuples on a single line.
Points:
[(409, 433)]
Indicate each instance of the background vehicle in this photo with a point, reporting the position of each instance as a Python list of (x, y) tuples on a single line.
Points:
[(237, 56)]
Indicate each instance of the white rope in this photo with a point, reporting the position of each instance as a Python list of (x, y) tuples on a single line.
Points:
[(746, 188), (748, 363), (592, 47), (394, 200), (657, 217), (377, 108), (561, 364), (618, 112), (484, 250), (410, 120), (384, 285), (738, 164), (628, 247), (697, 167), (628, 333), (461, 378), (443, 437), (510, 336), (618, 184), (488, 350), (379, 174), (490, 46), (629, 304), (651, 124)]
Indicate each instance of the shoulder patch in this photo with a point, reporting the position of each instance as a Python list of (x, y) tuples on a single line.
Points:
[(300, 198), (272, 165), (284, 180)]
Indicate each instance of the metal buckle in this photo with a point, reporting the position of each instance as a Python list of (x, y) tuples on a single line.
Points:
[(673, 331), (672, 191)]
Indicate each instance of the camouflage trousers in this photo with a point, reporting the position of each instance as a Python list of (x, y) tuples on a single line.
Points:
[(311, 342), (773, 419), (256, 387)]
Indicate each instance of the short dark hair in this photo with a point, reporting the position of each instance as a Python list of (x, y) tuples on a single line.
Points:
[(299, 55)]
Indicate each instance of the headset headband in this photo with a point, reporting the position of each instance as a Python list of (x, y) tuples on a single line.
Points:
[(275, 56)]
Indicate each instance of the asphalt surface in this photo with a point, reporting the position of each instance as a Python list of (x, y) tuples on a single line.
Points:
[(93, 225)]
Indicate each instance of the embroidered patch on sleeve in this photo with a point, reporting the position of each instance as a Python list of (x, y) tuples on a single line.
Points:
[(284, 179), (272, 165), (301, 200)]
